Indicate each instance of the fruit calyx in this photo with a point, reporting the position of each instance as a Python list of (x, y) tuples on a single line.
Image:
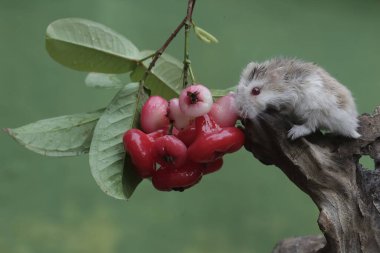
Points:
[(193, 97), (170, 151)]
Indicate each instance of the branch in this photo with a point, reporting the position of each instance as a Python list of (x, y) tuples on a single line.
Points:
[(161, 50), (304, 244), (327, 168)]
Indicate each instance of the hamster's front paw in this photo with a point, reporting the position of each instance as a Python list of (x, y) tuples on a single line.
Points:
[(298, 131)]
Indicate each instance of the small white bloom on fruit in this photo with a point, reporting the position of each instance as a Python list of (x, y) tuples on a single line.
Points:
[(195, 100)]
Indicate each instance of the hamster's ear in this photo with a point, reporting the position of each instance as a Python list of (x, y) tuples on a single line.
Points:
[(248, 70)]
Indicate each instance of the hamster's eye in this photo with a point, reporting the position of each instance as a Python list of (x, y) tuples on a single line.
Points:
[(255, 91)]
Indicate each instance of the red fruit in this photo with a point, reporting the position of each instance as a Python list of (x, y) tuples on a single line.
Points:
[(210, 146), (211, 167), (224, 111), (180, 120), (187, 136), (167, 179), (140, 148), (154, 114), (157, 134), (206, 124), (195, 100), (170, 151)]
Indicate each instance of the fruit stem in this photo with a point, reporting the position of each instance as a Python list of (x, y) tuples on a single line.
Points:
[(170, 130), (186, 22), (186, 60), (192, 74)]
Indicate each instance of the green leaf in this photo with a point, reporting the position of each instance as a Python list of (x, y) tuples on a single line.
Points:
[(204, 36), (165, 78), (88, 46), (107, 155), (100, 80), (68, 135), (130, 178), (217, 93)]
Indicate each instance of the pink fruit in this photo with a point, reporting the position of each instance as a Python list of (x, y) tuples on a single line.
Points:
[(195, 100), (180, 120), (154, 114), (224, 111), (170, 151)]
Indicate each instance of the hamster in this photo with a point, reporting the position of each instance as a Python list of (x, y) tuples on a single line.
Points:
[(302, 91)]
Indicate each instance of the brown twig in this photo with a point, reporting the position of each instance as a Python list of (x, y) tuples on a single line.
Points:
[(160, 51)]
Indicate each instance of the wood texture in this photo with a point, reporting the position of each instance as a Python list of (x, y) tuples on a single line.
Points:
[(327, 168)]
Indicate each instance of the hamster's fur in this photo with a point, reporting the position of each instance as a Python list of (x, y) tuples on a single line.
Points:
[(303, 91)]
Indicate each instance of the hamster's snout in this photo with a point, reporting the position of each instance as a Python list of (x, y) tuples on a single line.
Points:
[(244, 103)]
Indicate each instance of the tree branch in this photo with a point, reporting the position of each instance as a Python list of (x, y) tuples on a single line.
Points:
[(327, 168), (304, 244), (161, 50)]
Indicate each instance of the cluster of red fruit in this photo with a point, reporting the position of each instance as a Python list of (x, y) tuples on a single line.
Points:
[(187, 137)]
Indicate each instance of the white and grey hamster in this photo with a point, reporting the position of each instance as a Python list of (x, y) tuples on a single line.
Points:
[(301, 90)]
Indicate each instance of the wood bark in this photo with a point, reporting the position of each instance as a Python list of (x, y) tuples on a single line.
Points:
[(327, 168)]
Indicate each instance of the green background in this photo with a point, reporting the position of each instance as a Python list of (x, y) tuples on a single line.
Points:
[(54, 205)]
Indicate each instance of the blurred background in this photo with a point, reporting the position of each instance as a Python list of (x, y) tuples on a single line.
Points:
[(54, 205)]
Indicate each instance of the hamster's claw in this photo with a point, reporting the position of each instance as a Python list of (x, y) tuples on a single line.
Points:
[(352, 134), (298, 131)]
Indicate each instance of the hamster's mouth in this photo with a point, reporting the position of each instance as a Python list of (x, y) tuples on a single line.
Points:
[(272, 108), (247, 112)]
